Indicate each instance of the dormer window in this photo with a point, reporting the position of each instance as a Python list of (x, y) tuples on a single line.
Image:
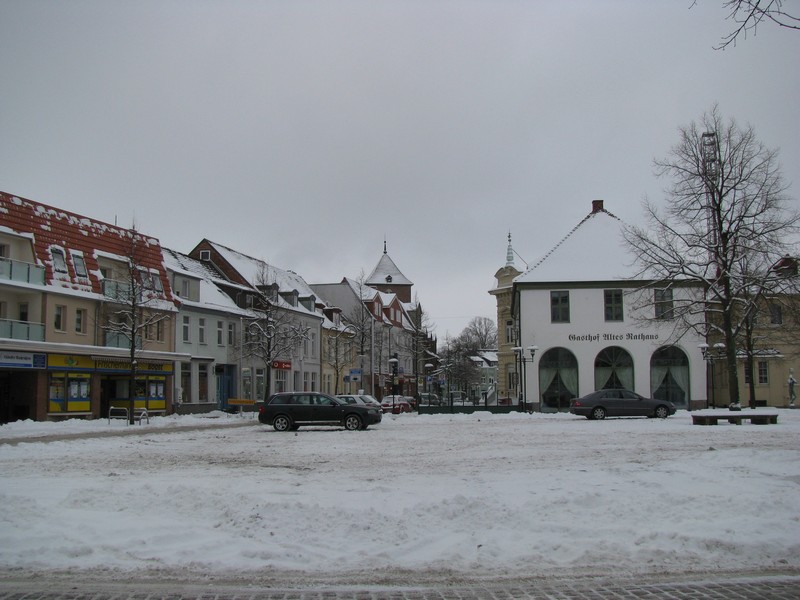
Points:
[(205, 255), (59, 263)]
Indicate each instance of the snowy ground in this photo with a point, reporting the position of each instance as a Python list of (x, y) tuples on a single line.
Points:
[(414, 499)]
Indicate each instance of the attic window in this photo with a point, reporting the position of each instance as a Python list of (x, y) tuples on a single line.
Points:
[(59, 264), (388, 279), (205, 254), (80, 265)]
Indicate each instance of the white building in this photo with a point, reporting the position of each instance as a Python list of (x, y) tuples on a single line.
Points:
[(582, 312)]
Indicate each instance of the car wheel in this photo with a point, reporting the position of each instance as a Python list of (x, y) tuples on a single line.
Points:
[(662, 412), (282, 423), (352, 422), (599, 413)]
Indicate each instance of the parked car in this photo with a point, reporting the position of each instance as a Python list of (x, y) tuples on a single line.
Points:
[(426, 399), (359, 399), (395, 404), (619, 403), (289, 410)]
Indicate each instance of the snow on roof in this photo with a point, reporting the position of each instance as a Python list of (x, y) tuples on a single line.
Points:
[(60, 229), (387, 269), (593, 250), (211, 296), (252, 270), (367, 293)]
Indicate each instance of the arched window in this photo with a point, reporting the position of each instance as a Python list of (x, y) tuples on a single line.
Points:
[(669, 375), (558, 379), (613, 369)]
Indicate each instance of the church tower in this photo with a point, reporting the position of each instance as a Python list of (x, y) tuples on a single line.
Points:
[(387, 278), (506, 329)]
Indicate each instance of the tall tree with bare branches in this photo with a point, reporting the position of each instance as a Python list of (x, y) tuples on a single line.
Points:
[(725, 225)]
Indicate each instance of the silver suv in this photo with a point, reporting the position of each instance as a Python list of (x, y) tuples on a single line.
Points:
[(287, 411)]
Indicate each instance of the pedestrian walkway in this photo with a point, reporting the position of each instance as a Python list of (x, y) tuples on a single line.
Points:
[(745, 588)]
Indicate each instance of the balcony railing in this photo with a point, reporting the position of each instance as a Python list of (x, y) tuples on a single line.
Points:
[(15, 270), (116, 290), (21, 330), (119, 340)]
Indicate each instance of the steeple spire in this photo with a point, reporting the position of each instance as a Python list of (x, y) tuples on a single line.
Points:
[(509, 252), (384, 245)]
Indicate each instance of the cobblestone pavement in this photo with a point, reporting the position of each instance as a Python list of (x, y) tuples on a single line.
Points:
[(711, 588)]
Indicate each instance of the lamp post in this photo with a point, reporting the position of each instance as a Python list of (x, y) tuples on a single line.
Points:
[(393, 367), (710, 355), (520, 353)]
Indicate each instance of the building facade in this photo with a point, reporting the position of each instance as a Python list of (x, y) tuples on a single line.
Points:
[(67, 287)]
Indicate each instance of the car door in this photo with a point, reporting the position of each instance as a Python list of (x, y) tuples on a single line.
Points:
[(327, 409), (302, 408), (633, 404), (612, 400)]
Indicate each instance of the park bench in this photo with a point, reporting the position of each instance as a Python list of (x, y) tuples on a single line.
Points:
[(735, 418)]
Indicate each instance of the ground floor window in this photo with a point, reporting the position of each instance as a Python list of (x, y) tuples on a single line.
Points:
[(186, 382), (613, 369), (558, 379), (69, 392), (247, 383), (280, 381), (669, 376)]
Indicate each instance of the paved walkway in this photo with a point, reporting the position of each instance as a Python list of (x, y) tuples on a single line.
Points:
[(711, 588)]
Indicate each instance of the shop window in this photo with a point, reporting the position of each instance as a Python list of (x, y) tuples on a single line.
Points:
[(247, 383), (186, 381), (202, 383), (280, 381), (613, 305), (559, 306), (69, 392), (260, 382)]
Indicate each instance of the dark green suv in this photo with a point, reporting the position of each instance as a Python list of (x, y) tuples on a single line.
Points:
[(287, 411)]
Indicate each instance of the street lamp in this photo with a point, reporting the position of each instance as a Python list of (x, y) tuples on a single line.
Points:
[(520, 353), (393, 366), (710, 355)]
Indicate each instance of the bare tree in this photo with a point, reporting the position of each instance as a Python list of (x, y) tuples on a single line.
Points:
[(749, 14), (724, 227), (340, 352), (481, 332), (135, 308), (363, 324), (273, 331)]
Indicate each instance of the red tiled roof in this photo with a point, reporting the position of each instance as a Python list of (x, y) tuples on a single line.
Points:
[(54, 227)]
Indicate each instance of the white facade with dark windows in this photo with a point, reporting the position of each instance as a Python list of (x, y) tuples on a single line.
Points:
[(591, 326)]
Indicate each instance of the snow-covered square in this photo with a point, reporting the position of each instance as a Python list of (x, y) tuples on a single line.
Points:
[(417, 498)]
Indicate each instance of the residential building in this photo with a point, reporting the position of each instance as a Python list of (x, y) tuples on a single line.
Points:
[(280, 341), (69, 285)]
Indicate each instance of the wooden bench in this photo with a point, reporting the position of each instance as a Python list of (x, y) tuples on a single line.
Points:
[(735, 418)]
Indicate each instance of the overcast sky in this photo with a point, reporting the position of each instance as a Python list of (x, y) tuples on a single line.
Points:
[(307, 132)]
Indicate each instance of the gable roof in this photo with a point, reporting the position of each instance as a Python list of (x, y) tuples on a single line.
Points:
[(54, 228), (211, 296), (594, 250)]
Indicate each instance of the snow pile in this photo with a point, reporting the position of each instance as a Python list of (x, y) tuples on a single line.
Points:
[(416, 498)]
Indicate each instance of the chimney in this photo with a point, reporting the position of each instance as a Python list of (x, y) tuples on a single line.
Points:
[(597, 206)]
